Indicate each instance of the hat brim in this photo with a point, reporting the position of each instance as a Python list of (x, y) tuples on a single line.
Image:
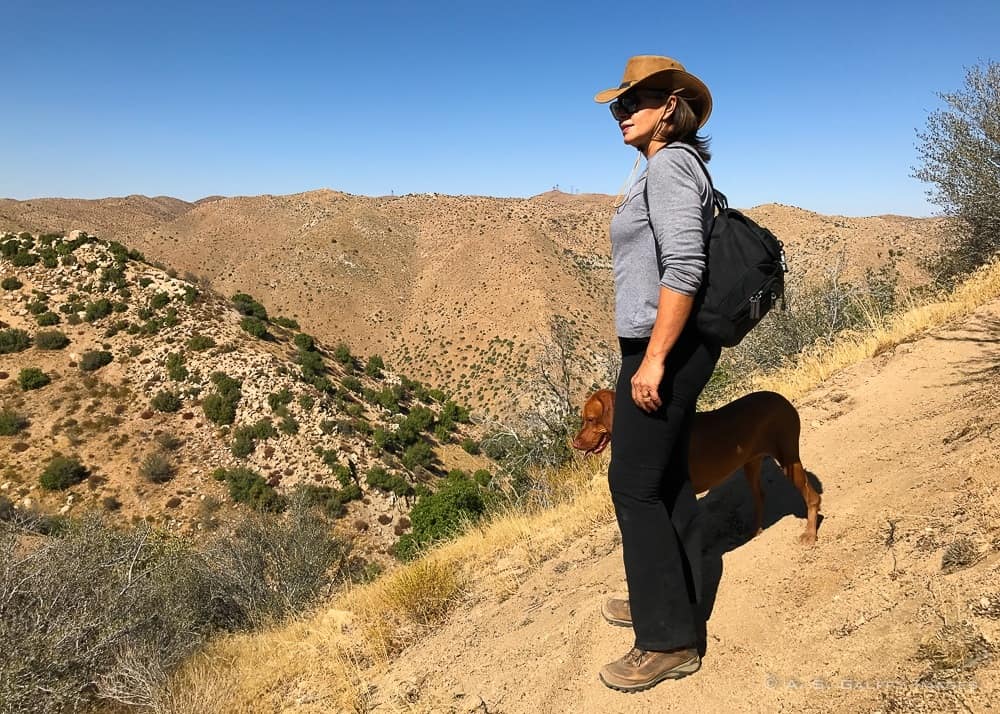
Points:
[(695, 90)]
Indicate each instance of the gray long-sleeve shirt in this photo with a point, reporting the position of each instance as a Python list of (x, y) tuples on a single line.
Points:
[(674, 228)]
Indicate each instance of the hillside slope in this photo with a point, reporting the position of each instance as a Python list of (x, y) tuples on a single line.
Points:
[(458, 291), (115, 218), (146, 422), (904, 446)]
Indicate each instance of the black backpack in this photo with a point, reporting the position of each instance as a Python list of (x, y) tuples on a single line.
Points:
[(744, 275)]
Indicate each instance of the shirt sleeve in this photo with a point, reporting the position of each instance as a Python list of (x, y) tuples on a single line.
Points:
[(676, 192)]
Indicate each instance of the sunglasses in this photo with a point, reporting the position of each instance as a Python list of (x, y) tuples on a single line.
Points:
[(628, 104)]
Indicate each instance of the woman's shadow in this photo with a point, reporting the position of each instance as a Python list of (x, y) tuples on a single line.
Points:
[(726, 515)]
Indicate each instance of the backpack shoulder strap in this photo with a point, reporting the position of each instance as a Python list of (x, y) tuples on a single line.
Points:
[(718, 197)]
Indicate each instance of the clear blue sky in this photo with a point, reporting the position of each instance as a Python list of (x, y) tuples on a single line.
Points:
[(816, 104)]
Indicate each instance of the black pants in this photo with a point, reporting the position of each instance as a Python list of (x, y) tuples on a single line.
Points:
[(653, 498)]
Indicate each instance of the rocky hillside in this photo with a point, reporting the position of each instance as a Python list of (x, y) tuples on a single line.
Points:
[(459, 291), (170, 403)]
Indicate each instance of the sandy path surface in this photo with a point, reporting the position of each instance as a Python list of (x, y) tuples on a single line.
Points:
[(905, 449)]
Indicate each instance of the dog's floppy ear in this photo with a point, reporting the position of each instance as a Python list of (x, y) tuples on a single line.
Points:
[(607, 399)]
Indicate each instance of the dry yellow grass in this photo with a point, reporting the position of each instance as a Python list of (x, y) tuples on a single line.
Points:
[(323, 661), (884, 333)]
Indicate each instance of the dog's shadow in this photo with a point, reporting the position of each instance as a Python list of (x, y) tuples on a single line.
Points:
[(727, 515)]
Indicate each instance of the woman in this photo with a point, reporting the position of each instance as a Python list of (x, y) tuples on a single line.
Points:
[(658, 236)]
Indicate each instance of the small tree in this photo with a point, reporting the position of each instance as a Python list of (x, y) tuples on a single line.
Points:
[(960, 156)]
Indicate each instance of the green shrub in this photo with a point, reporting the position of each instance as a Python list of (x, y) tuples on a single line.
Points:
[(374, 366), (47, 319), (62, 472), (23, 259), (11, 283), (304, 342), (263, 429), (311, 363), (175, 367), (253, 326), (246, 305), (97, 309), (220, 407), (442, 514), (74, 305), (453, 412), (352, 383), (94, 359), (421, 418), (14, 340), (170, 319), (286, 322), (245, 437), (418, 454), (32, 378), (331, 500), (11, 422), (50, 340), (306, 401), (288, 425), (437, 395), (156, 467), (279, 399), (169, 441), (159, 300), (382, 479), (249, 487), (342, 353), (199, 342), (243, 442), (471, 446), (442, 433), (166, 401)]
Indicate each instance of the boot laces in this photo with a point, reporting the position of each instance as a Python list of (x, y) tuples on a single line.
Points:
[(635, 656)]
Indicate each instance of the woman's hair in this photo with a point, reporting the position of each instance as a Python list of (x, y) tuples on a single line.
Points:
[(683, 126)]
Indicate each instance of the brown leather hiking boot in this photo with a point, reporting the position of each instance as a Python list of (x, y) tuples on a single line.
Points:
[(616, 610), (640, 669)]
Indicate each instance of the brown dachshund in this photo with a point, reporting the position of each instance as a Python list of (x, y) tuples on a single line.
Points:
[(739, 434)]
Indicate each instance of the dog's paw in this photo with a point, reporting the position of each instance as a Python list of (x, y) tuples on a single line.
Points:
[(808, 538)]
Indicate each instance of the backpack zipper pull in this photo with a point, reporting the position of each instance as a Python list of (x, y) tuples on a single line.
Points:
[(781, 257), (755, 305)]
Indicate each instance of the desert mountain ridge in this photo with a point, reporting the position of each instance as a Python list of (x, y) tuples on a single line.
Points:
[(463, 292)]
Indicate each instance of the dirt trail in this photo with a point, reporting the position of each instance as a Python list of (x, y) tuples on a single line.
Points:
[(904, 446)]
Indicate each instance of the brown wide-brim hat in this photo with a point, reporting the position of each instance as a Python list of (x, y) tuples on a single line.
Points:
[(656, 72)]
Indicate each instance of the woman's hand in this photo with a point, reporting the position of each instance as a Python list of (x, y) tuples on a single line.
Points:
[(646, 384)]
